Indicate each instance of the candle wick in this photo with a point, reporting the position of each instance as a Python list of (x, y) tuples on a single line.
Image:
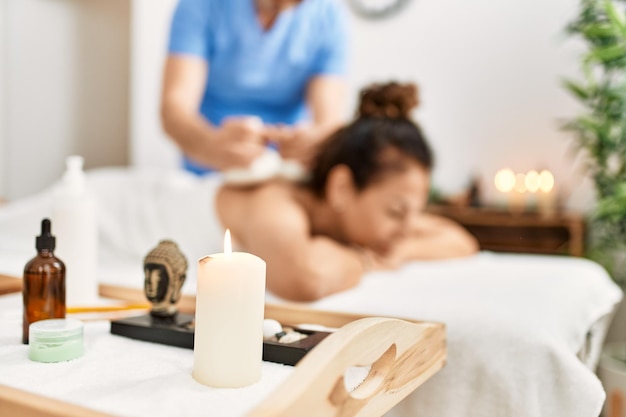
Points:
[(228, 246)]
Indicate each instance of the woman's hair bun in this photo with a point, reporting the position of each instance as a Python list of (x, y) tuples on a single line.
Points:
[(391, 100)]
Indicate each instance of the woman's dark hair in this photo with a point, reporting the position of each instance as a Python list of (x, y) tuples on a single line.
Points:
[(382, 138)]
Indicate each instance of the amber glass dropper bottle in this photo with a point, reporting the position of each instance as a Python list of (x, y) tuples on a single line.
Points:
[(44, 283)]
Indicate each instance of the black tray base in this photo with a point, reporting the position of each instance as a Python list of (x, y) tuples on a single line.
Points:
[(178, 331)]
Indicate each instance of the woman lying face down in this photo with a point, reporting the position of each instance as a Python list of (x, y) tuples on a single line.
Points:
[(361, 209)]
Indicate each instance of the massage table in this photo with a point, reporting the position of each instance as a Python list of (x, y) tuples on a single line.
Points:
[(524, 332)]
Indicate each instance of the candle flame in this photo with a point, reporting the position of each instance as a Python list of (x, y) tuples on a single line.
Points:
[(547, 181), (532, 181), (504, 180), (228, 246)]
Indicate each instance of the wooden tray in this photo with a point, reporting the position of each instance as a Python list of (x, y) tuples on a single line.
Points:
[(10, 284), (402, 354)]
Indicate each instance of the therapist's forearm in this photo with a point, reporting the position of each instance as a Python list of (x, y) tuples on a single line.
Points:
[(184, 80), (326, 97), (192, 133)]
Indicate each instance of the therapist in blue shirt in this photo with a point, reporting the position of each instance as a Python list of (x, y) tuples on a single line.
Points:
[(244, 73)]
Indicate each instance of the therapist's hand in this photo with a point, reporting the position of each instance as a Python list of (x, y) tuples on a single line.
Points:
[(234, 144), (237, 142), (298, 142)]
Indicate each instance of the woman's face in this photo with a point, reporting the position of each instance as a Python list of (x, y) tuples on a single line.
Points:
[(383, 212)]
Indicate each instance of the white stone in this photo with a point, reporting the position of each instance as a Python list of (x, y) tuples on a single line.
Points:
[(270, 328)]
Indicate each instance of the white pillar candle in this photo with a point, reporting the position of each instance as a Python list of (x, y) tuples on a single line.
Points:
[(228, 337)]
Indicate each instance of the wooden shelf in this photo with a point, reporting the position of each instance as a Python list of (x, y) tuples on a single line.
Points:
[(525, 232)]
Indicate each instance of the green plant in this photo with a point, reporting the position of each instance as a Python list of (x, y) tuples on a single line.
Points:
[(600, 130)]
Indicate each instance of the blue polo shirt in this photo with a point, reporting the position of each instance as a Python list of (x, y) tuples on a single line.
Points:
[(257, 72)]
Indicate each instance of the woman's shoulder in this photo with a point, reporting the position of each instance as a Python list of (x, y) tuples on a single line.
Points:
[(274, 196), (261, 207), (252, 192)]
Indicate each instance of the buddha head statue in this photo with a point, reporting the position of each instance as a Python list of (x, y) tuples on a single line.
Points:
[(165, 270)]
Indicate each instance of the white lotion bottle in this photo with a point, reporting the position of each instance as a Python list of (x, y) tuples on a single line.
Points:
[(76, 229)]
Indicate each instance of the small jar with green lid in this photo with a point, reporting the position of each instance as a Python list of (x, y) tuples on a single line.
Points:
[(55, 340)]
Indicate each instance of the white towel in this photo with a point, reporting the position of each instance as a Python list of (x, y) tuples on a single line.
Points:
[(136, 209), (124, 377)]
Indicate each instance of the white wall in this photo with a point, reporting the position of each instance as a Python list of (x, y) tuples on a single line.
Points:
[(66, 72), (149, 146), (489, 78), (2, 99)]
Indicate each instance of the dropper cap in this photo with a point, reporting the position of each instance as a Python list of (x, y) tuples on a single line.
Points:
[(46, 240)]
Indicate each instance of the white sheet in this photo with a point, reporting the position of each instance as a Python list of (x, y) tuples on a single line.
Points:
[(515, 325), (148, 379), (515, 322), (136, 209)]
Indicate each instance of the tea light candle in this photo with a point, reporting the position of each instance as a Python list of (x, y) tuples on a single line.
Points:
[(532, 182), (230, 301), (505, 183), (517, 197), (546, 198)]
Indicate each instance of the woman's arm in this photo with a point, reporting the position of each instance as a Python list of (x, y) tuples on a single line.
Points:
[(236, 143), (434, 237), (270, 224)]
